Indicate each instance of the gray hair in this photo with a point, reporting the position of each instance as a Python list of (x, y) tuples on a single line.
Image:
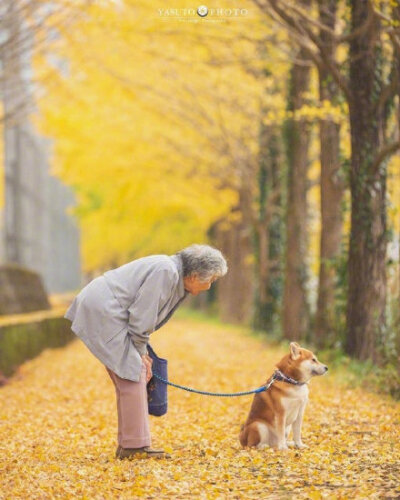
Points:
[(203, 260)]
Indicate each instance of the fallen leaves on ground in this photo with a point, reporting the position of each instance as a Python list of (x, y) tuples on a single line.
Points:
[(58, 426)]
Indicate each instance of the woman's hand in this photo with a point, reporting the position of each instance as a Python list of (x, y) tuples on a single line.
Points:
[(148, 362)]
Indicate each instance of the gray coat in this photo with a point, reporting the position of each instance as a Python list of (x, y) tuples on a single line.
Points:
[(115, 313)]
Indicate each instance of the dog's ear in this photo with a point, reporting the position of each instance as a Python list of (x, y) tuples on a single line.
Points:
[(294, 350)]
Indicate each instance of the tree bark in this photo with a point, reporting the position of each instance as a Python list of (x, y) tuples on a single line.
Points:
[(295, 309), (268, 231), (332, 189), (368, 239), (235, 290)]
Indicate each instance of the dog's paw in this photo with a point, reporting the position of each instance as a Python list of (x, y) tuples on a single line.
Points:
[(282, 447), (290, 444), (300, 445)]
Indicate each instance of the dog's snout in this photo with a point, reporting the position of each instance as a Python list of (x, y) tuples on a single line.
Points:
[(326, 368)]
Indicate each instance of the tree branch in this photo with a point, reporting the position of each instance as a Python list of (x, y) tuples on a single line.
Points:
[(390, 89), (360, 30), (387, 150), (304, 30)]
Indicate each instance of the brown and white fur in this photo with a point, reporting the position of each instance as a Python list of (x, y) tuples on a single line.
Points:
[(279, 409)]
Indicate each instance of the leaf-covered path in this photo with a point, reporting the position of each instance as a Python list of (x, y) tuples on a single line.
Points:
[(58, 425)]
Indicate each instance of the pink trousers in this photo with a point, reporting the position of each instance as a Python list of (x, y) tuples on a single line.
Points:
[(133, 414)]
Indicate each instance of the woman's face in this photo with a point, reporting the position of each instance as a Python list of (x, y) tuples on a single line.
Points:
[(194, 286)]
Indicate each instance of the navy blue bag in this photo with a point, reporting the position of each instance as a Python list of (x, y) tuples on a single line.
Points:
[(157, 396)]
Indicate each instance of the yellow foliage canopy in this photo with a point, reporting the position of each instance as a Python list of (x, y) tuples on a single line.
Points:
[(154, 124)]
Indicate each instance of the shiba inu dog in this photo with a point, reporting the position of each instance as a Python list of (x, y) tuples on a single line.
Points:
[(280, 408)]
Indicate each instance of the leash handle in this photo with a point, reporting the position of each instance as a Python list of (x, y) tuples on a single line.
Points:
[(218, 394)]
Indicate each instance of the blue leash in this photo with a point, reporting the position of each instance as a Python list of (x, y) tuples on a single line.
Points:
[(220, 394)]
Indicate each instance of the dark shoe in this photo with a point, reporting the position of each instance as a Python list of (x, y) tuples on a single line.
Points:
[(144, 452)]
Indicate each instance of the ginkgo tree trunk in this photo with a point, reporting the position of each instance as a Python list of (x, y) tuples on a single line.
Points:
[(332, 187), (295, 308), (368, 86), (269, 229), (368, 238)]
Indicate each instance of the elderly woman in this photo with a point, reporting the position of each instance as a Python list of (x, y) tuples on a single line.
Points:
[(115, 314)]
